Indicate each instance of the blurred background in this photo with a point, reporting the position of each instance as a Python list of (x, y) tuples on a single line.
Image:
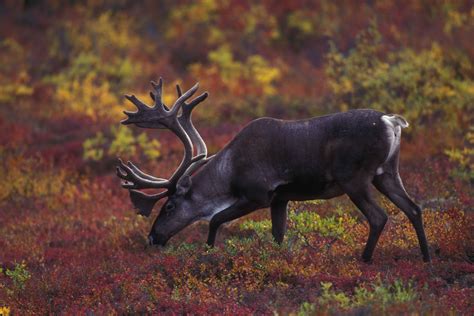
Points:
[(65, 65), (68, 227)]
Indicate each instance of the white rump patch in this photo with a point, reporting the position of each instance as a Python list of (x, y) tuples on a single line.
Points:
[(394, 124), (396, 120)]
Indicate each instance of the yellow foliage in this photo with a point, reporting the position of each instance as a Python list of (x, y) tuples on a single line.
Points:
[(205, 17), (263, 74), (98, 65), (199, 12), (93, 147), (14, 77), (151, 148), (259, 19), (464, 157), (88, 97), (121, 142), (101, 34), (25, 178), (323, 21), (457, 19), (254, 76), (302, 21), (422, 85), (4, 311)]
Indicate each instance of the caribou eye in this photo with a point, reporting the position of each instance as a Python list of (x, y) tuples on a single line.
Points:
[(169, 207)]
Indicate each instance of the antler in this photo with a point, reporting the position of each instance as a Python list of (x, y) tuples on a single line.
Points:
[(186, 122), (161, 117)]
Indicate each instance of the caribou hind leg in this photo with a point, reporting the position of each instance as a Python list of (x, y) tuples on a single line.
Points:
[(358, 191), (390, 185)]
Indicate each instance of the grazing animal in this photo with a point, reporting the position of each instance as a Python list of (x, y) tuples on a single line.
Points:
[(268, 163)]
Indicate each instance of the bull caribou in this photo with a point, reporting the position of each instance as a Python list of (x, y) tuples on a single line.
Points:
[(268, 163)]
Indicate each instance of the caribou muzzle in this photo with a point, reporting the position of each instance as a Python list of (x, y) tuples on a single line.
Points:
[(157, 240)]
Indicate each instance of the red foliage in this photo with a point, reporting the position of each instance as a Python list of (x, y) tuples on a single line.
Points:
[(83, 248)]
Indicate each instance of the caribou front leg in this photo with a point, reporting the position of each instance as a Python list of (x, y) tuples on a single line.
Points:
[(279, 214), (238, 209)]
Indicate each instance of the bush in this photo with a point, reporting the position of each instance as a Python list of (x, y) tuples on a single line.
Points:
[(427, 87), (120, 142), (19, 275), (377, 296), (463, 157)]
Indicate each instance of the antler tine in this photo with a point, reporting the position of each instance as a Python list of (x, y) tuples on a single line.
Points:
[(139, 104), (183, 97), (182, 131), (137, 171), (158, 87), (178, 89), (135, 181), (197, 100), (188, 152), (187, 124), (157, 95)]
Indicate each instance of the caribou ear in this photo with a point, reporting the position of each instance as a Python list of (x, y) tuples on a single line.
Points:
[(183, 185)]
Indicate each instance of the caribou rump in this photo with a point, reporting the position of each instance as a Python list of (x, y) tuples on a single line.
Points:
[(268, 163)]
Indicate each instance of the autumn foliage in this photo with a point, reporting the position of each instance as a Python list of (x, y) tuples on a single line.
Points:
[(70, 242)]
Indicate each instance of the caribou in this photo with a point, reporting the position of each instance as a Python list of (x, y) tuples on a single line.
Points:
[(267, 164)]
